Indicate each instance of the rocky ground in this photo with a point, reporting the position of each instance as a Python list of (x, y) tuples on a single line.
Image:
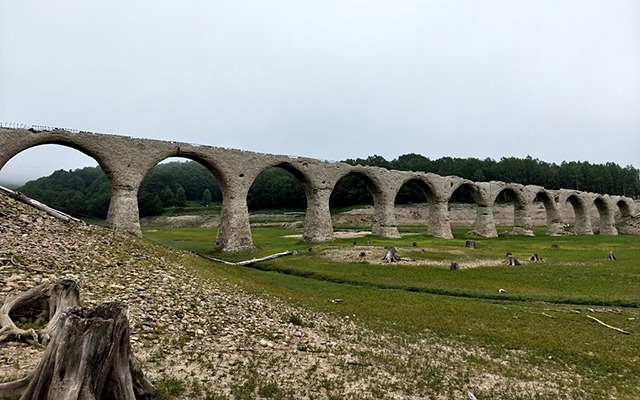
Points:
[(198, 337)]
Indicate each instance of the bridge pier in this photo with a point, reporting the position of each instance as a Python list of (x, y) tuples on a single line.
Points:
[(522, 220), (582, 218), (234, 230), (317, 222), (555, 225), (384, 217), (607, 218), (123, 213), (485, 224), (438, 223)]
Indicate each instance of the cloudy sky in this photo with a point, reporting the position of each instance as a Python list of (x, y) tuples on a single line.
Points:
[(553, 79)]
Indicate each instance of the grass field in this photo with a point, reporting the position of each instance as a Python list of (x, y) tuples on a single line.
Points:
[(542, 313)]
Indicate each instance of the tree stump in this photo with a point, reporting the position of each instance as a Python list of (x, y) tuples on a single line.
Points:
[(535, 258), (611, 256), (89, 354), (391, 255), (454, 266), (471, 244), (511, 260), (89, 357), (46, 301)]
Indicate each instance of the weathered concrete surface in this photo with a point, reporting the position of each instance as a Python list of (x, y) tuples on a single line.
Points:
[(127, 160)]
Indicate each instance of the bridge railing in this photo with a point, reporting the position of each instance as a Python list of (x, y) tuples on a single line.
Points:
[(35, 128)]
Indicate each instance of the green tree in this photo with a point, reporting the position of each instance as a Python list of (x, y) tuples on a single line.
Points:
[(167, 197), (181, 197), (206, 197), (149, 205)]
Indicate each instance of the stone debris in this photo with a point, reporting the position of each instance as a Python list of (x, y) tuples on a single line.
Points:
[(212, 335)]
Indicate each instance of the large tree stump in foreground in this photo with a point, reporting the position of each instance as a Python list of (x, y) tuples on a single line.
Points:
[(89, 357)]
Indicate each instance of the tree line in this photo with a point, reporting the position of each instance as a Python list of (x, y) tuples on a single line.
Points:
[(86, 192)]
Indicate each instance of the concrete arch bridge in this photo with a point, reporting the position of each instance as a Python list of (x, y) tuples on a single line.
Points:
[(126, 161)]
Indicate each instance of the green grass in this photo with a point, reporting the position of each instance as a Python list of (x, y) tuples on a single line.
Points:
[(543, 311)]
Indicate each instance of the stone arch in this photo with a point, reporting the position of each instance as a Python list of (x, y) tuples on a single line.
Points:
[(419, 183), (581, 210), (606, 213), (108, 162), (215, 173), (234, 233), (471, 187), (55, 146), (382, 195), (415, 192), (625, 207), (555, 225), (437, 214), (484, 224), (83, 148), (300, 176), (521, 215)]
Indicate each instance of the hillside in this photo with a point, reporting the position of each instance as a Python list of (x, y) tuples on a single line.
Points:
[(198, 337)]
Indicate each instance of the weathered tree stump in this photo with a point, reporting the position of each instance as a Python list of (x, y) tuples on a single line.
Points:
[(89, 354), (454, 266), (471, 244), (47, 301), (611, 256), (535, 258), (391, 255), (511, 260)]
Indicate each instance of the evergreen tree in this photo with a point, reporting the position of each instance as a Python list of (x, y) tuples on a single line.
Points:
[(181, 197), (167, 197), (206, 197)]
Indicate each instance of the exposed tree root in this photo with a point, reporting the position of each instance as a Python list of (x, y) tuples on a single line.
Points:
[(46, 302)]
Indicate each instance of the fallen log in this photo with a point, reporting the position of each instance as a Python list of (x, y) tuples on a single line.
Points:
[(607, 325), (252, 261), (271, 257), (36, 204)]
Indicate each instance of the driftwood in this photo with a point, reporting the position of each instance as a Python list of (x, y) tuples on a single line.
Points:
[(271, 257), (391, 255), (34, 203), (470, 244), (88, 355), (252, 261), (46, 302), (607, 325)]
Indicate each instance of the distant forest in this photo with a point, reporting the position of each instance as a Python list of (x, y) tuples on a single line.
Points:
[(86, 193)]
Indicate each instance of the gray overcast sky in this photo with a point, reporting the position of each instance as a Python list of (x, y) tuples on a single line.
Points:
[(554, 79)]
